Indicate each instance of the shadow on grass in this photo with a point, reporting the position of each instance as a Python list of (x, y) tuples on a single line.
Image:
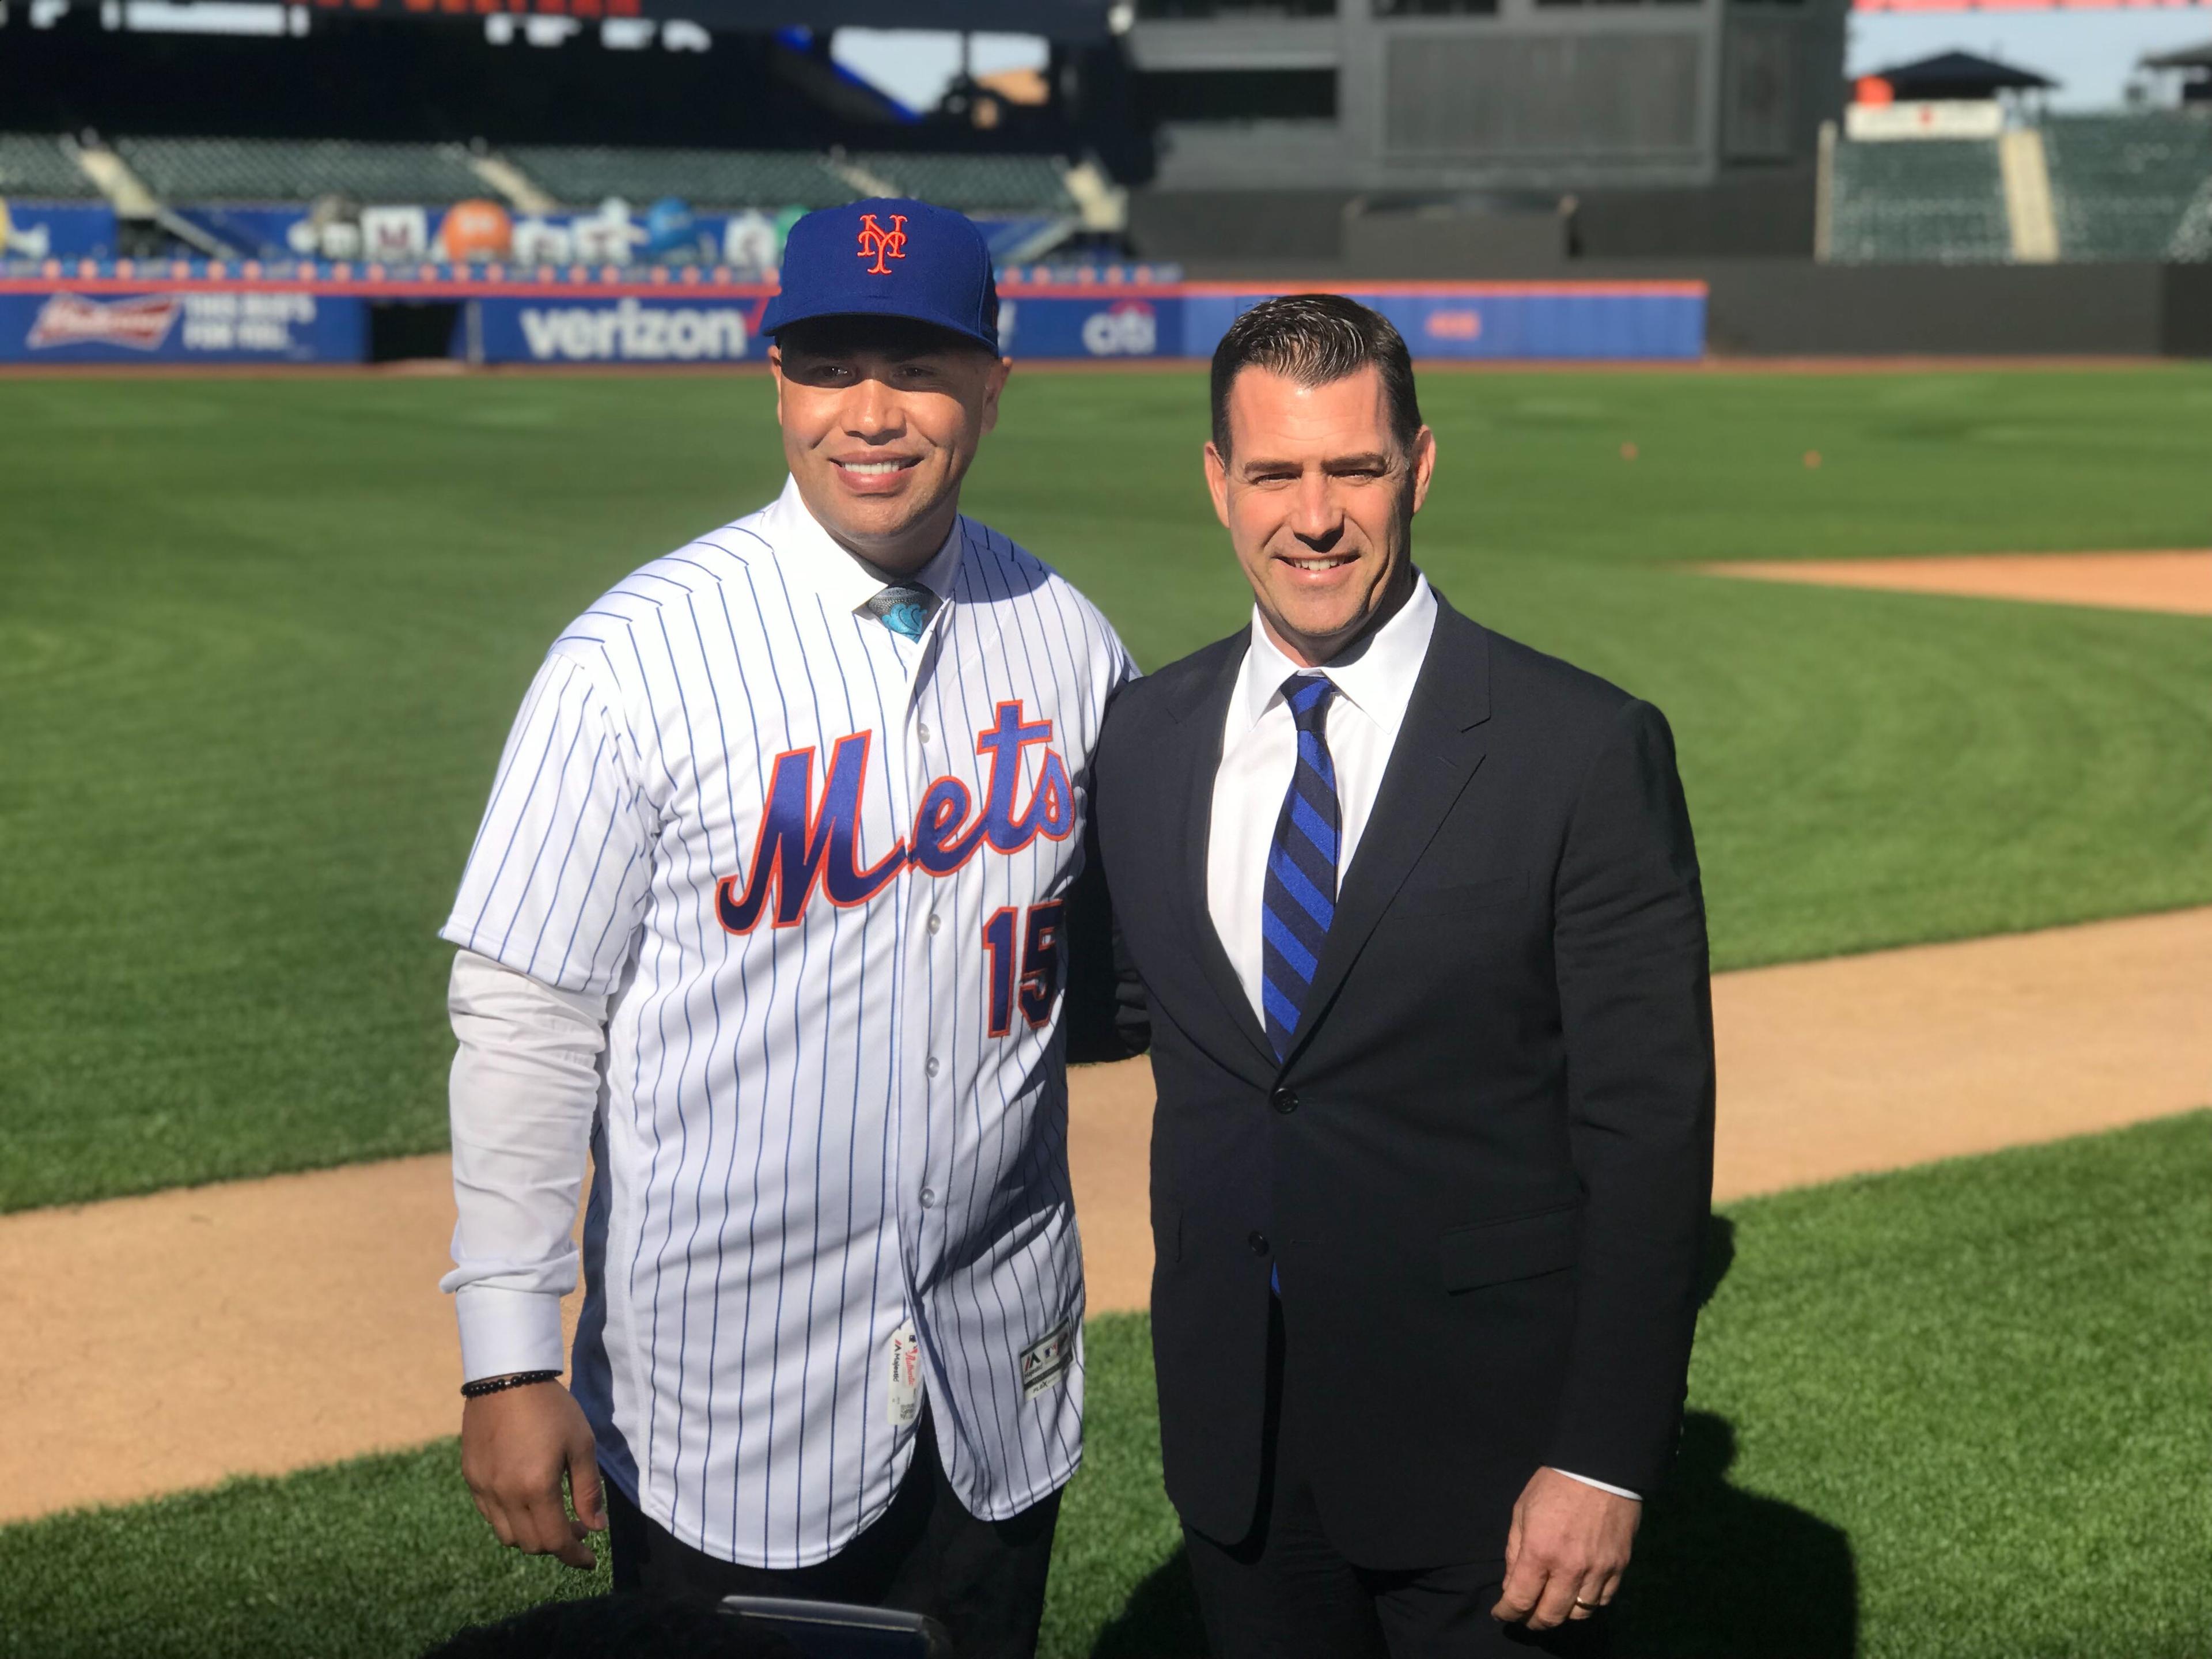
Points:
[(1160, 1620), (1721, 1573)]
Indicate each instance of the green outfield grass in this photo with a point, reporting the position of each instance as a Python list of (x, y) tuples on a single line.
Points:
[(262, 640), (1952, 1413)]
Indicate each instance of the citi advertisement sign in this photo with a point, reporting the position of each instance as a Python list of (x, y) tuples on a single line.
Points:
[(1129, 328)]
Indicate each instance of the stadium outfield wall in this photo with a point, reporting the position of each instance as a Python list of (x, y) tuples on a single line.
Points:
[(117, 313), (186, 312)]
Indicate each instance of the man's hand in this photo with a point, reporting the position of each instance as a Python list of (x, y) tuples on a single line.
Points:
[(515, 1446), (1566, 1550)]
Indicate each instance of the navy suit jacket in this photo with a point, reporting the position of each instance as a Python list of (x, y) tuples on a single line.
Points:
[(1485, 1168)]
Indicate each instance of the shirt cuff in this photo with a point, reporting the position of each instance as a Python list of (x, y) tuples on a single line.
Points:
[(1618, 1492), (504, 1331)]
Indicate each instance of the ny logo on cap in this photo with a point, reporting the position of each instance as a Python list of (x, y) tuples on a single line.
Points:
[(879, 244)]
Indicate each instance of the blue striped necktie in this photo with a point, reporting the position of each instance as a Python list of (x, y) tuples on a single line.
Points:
[(1298, 901)]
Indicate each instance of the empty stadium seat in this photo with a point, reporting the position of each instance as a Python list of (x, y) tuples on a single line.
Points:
[(2121, 184), (974, 184), (34, 164), (299, 170), (584, 175), (1938, 200)]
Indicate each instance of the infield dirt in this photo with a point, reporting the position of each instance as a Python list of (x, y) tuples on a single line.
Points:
[(2179, 582), (161, 1343)]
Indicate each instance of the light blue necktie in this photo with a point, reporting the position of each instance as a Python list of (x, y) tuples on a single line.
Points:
[(905, 608)]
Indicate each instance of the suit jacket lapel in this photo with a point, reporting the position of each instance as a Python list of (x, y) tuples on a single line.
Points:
[(1439, 748), (1201, 720)]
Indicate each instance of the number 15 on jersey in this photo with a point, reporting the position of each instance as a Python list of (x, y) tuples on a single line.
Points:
[(1035, 978)]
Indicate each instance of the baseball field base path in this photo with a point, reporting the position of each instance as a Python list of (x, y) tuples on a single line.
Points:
[(2179, 583), (159, 1343)]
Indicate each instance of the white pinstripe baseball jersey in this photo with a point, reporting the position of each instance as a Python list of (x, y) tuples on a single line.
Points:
[(818, 866)]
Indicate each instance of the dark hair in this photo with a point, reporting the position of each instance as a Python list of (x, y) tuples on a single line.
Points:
[(1315, 339)]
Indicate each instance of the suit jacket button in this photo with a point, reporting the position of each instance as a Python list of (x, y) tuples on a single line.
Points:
[(1285, 1099), (1259, 1243)]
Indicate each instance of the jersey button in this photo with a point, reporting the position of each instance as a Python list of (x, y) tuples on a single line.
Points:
[(1285, 1099), (935, 922), (930, 1067), (1258, 1241), (921, 730), (929, 1196)]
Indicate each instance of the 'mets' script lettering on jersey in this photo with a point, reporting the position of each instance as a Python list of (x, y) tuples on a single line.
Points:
[(800, 847)]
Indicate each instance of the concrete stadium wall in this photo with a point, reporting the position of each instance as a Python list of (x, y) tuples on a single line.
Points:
[(2187, 325), (1796, 307)]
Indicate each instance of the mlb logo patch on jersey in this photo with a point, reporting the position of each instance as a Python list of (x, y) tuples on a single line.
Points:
[(1046, 1360)]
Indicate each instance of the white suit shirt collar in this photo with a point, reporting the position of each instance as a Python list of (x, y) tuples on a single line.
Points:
[(1378, 681)]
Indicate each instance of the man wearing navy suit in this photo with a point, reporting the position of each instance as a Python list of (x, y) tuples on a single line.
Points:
[(1416, 916)]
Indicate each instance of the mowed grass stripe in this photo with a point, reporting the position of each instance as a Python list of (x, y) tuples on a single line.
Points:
[(1954, 1412), (263, 639)]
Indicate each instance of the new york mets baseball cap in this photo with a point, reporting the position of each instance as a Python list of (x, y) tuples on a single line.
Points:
[(888, 256)]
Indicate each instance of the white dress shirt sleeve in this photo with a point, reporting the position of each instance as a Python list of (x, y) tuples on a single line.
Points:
[(525, 1083), (1618, 1492)]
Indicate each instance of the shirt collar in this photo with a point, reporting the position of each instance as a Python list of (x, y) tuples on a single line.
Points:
[(808, 553), (1379, 682)]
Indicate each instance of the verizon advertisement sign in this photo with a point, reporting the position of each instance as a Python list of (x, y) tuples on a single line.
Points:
[(625, 331)]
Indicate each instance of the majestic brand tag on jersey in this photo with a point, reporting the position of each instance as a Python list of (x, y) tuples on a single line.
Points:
[(1046, 1360), (904, 1356)]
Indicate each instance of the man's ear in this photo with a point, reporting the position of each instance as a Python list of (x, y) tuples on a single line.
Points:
[(994, 383), (1424, 464), (775, 369), (1216, 481)]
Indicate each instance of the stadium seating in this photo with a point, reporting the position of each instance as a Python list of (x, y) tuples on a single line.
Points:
[(2121, 184), (34, 164), (1936, 200), (299, 170), (583, 176), (185, 171), (974, 183), (776, 178)]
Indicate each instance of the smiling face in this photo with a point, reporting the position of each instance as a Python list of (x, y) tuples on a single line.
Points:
[(881, 419), (1318, 497)]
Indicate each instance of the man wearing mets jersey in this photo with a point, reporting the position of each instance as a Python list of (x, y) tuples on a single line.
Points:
[(770, 915)]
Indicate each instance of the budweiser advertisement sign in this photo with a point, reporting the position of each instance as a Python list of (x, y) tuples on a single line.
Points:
[(68, 320)]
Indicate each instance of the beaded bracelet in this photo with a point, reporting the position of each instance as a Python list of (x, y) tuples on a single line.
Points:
[(483, 1386)]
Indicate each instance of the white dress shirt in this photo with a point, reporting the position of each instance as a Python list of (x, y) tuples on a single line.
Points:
[(1259, 756), (1259, 753)]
